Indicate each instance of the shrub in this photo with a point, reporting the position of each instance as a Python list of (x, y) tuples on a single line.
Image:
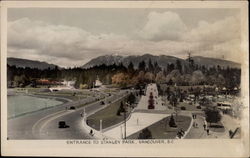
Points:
[(212, 115), (183, 108), (145, 134), (172, 122), (198, 107)]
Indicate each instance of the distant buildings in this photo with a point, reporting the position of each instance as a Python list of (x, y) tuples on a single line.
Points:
[(47, 82), (63, 85), (98, 83)]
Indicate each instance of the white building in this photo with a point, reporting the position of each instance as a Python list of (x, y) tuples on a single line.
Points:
[(98, 83), (65, 85), (68, 83)]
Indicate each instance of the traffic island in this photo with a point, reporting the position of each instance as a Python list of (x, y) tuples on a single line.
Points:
[(108, 115), (162, 129)]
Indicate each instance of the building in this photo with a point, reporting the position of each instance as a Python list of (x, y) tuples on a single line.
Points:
[(98, 83)]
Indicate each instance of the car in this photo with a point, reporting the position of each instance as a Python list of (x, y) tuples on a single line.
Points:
[(72, 108), (62, 124), (102, 103)]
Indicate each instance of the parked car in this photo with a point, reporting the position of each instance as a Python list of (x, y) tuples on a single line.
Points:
[(62, 124), (72, 108), (183, 108), (102, 103)]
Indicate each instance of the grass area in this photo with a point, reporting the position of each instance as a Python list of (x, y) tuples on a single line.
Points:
[(185, 88), (68, 96), (189, 107), (217, 127), (107, 115), (161, 129)]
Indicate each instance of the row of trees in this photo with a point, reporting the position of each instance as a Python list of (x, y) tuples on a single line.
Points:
[(176, 78), (174, 73)]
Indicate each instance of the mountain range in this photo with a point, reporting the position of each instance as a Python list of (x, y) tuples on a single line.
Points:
[(162, 60), (18, 62)]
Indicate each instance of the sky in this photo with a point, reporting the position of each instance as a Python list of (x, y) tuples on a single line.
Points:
[(71, 37)]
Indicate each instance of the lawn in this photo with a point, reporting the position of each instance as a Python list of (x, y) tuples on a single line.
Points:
[(107, 115), (189, 107), (67, 94), (216, 127), (185, 88), (161, 129)]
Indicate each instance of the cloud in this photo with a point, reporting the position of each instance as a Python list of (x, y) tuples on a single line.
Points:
[(163, 26), (36, 38), (162, 33), (217, 32), (217, 39)]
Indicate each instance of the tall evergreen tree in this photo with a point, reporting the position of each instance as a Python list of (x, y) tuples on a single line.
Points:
[(142, 66)]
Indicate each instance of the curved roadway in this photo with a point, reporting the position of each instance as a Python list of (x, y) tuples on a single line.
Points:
[(44, 124)]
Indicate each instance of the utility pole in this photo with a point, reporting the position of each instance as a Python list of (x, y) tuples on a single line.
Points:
[(121, 133), (125, 114), (101, 126), (84, 114), (189, 57)]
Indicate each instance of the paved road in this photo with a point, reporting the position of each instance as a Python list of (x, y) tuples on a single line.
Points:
[(44, 124)]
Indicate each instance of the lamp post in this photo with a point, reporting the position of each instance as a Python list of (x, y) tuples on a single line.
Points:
[(121, 133), (125, 115), (84, 114), (101, 126), (79, 99)]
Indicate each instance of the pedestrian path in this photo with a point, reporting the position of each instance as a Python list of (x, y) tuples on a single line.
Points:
[(199, 132), (158, 103), (137, 122), (142, 117)]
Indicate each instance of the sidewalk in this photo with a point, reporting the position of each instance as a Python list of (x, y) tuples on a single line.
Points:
[(143, 104), (142, 117), (199, 132), (144, 120)]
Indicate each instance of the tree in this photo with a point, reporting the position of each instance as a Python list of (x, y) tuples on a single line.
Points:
[(173, 100), (160, 78), (131, 67), (21, 80), (149, 77), (212, 115), (131, 98), (120, 109), (178, 66), (175, 76), (187, 79), (197, 77), (171, 122), (157, 68), (220, 81), (205, 102), (141, 77), (121, 79), (197, 92), (145, 134), (170, 67), (142, 66), (150, 66)]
